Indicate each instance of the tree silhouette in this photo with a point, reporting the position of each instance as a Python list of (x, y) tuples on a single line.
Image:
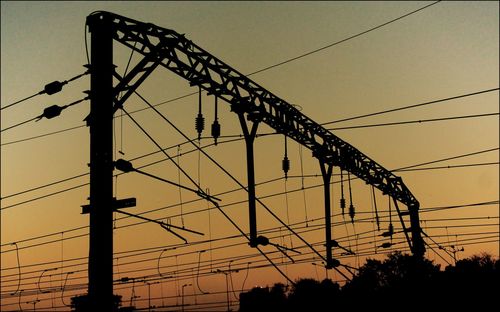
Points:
[(473, 282), (400, 279), (311, 295), (263, 299), (400, 282)]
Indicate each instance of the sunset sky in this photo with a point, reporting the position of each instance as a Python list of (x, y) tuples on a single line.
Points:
[(447, 50)]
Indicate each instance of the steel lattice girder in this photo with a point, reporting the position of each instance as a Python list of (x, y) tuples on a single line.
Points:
[(173, 51)]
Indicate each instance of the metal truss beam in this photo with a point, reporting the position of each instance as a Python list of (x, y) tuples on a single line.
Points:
[(180, 55)]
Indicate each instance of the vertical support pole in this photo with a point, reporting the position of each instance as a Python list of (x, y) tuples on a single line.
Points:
[(416, 232), (326, 172), (252, 211), (416, 242), (100, 274)]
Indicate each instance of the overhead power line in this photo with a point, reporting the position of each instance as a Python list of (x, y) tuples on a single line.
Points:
[(216, 163), (411, 106), (49, 89), (448, 158), (342, 40), (49, 113), (331, 122), (406, 168), (451, 166), (42, 135), (396, 123)]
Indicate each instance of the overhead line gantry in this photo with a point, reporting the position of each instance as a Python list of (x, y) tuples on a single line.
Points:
[(251, 102)]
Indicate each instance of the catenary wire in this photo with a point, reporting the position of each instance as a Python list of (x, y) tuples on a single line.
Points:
[(343, 40)]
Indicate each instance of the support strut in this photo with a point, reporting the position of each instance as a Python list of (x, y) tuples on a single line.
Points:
[(326, 172), (249, 135), (418, 247)]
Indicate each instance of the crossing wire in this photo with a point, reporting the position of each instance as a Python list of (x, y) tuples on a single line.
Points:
[(343, 40), (412, 106), (397, 123), (326, 123)]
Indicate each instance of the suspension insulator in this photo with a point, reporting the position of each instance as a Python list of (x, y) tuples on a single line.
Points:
[(199, 124), (391, 229), (286, 166), (342, 204), (351, 212), (53, 87), (215, 130), (52, 111), (386, 245)]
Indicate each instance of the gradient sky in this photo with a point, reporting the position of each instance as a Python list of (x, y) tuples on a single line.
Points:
[(446, 50)]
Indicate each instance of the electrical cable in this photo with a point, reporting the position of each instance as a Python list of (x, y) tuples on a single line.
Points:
[(302, 184), (42, 135), (413, 121), (375, 206), (49, 89), (18, 269), (86, 44), (287, 212), (232, 177), (343, 40), (49, 113), (446, 159), (209, 230), (20, 124), (351, 206), (179, 181), (411, 106), (246, 276), (493, 236), (43, 196), (244, 234), (451, 166), (340, 128), (369, 232), (435, 252), (231, 279), (422, 210), (45, 185), (63, 288), (404, 169), (198, 273), (159, 147)]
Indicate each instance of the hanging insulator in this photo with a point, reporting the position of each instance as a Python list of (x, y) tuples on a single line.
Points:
[(351, 212), (351, 206), (390, 231), (54, 87), (216, 125), (386, 245), (200, 124), (342, 199), (286, 166), (215, 130), (200, 120), (262, 240), (51, 112)]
